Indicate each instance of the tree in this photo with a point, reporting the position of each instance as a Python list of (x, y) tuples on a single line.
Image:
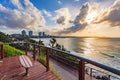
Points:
[(58, 46), (63, 48), (4, 37), (53, 42), (41, 42)]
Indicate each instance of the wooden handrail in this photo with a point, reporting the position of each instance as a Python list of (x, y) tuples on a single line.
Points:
[(108, 68)]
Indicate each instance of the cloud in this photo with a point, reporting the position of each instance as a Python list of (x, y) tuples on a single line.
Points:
[(63, 16), (61, 20), (73, 29), (77, 0), (28, 17), (17, 4), (80, 18), (79, 22), (47, 13), (110, 16), (59, 2)]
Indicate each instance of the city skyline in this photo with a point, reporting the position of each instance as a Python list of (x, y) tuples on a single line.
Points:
[(31, 33), (69, 17)]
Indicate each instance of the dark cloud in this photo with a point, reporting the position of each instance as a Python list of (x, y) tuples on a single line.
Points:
[(79, 22), (111, 16), (63, 16), (75, 28), (82, 15), (61, 20)]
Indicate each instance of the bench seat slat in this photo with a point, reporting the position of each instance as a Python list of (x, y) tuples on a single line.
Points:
[(25, 61)]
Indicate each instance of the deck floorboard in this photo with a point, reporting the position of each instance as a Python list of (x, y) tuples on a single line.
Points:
[(11, 69)]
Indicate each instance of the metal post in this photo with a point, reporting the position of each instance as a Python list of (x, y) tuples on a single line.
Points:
[(109, 77), (81, 70), (34, 53), (47, 59)]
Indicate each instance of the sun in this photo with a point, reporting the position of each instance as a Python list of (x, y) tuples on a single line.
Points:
[(90, 17)]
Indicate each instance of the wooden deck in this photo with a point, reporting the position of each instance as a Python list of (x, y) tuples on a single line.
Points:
[(11, 69)]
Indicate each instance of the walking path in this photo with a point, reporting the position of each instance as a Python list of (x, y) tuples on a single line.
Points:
[(65, 72)]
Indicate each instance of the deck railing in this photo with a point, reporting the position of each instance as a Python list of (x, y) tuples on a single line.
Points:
[(108, 73), (42, 53)]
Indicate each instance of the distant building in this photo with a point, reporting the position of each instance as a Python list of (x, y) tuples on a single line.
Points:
[(30, 33), (41, 34), (23, 33)]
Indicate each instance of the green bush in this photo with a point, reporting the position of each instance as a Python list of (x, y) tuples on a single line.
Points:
[(11, 51)]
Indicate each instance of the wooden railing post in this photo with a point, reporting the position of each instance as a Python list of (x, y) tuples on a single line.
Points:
[(90, 71), (26, 49), (81, 70), (47, 59), (34, 53), (2, 51), (39, 50)]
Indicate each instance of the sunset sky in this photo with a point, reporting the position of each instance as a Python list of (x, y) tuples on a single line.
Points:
[(65, 17)]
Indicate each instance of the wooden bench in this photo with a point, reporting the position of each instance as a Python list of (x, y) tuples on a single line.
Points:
[(26, 63)]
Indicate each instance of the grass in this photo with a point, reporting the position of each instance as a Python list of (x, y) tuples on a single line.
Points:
[(12, 51)]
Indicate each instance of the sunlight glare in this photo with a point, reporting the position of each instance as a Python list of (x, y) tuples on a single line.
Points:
[(90, 17)]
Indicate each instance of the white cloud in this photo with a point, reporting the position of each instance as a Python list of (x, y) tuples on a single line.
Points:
[(28, 17), (103, 21), (63, 16), (17, 4), (59, 2), (77, 0), (79, 22), (110, 15), (47, 13), (80, 18)]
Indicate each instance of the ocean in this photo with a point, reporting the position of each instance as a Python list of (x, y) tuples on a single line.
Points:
[(102, 50)]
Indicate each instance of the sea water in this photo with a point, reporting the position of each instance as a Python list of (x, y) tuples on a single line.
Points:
[(102, 50)]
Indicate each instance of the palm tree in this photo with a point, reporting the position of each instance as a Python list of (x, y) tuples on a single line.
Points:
[(58, 46), (63, 48), (41, 42), (52, 42)]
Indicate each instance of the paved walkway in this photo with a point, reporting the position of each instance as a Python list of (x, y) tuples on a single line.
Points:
[(65, 72)]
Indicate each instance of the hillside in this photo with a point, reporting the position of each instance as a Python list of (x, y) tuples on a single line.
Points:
[(9, 50)]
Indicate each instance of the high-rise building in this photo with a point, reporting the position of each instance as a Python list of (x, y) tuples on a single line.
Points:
[(30, 33), (41, 34), (23, 33)]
